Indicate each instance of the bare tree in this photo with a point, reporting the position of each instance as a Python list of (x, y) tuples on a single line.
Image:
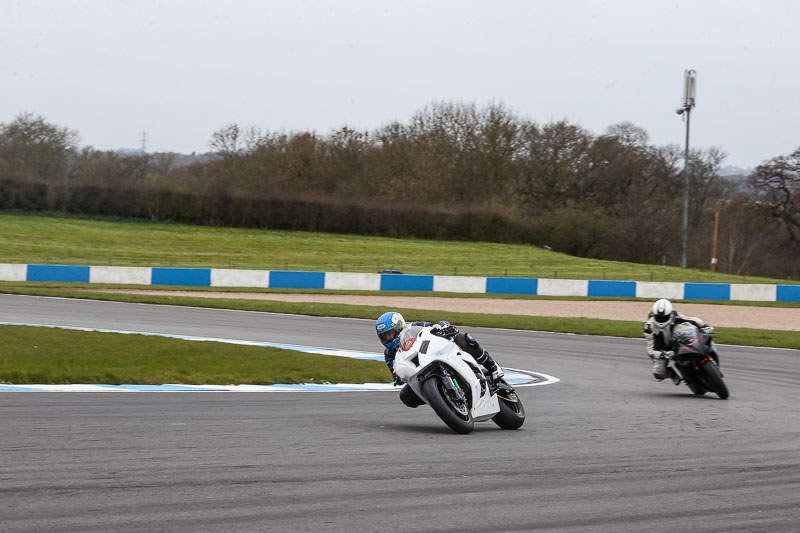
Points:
[(32, 148), (554, 166), (227, 141), (704, 183), (161, 163), (777, 183)]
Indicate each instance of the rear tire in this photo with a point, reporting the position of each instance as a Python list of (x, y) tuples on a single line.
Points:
[(714, 380), (457, 417), (512, 412)]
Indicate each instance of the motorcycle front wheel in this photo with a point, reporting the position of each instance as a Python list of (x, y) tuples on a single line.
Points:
[(713, 381), (697, 389), (692, 381), (455, 414)]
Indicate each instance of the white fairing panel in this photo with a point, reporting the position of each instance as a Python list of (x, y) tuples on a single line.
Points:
[(419, 349)]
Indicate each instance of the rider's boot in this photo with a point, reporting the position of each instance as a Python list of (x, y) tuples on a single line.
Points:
[(409, 397), (676, 379), (486, 361), (659, 369)]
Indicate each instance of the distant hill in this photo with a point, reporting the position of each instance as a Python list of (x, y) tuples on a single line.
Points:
[(731, 170), (180, 159)]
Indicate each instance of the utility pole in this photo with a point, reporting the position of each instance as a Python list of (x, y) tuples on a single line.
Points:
[(716, 241), (689, 101)]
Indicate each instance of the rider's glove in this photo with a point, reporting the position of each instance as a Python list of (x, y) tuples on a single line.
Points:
[(708, 330), (444, 329), (449, 331), (669, 354)]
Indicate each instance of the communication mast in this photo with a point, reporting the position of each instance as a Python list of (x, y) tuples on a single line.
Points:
[(689, 101)]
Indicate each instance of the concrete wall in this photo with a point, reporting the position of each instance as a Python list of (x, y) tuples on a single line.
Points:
[(208, 277), (123, 275)]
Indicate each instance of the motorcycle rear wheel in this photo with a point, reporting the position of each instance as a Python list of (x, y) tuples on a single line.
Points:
[(714, 381), (512, 412), (457, 417)]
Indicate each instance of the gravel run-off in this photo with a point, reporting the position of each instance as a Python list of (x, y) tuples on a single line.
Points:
[(738, 316)]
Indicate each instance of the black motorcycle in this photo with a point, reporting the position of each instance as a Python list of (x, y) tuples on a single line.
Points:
[(694, 360)]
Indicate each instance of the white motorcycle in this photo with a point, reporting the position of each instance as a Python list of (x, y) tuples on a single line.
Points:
[(453, 383)]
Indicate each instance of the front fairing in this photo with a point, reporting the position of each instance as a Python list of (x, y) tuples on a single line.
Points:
[(419, 350), (422, 354), (689, 343)]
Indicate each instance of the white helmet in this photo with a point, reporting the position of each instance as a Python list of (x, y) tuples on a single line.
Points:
[(662, 312)]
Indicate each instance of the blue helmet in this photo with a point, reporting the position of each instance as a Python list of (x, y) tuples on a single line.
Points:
[(388, 328)]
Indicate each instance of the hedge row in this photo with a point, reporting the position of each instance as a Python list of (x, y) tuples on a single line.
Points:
[(269, 212)]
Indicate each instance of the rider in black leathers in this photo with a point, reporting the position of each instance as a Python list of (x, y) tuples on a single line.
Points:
[(658, 336)]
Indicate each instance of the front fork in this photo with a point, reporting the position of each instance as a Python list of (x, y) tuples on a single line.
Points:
[(449, 381), (696, 376), (452, 386)]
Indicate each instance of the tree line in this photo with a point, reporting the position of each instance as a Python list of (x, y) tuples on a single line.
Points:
[(453, 171)]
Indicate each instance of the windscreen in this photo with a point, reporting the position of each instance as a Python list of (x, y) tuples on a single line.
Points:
[(684, 334), (407, 334)]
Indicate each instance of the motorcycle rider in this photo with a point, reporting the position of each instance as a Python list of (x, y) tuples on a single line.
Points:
[(391, 324), (658, 334)]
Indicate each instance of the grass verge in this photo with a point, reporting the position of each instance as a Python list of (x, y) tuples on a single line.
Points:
[(29, 239), (54, 356)]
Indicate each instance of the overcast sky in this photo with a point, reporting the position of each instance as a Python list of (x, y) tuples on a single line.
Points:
[(179, 70)]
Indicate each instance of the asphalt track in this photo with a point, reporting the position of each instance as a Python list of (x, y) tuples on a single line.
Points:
[(605, 449)]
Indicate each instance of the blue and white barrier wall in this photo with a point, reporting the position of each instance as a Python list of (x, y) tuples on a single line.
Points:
[(220, 277)]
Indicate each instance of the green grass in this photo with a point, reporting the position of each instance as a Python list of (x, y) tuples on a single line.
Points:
[(38, 240), (44, 355)]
